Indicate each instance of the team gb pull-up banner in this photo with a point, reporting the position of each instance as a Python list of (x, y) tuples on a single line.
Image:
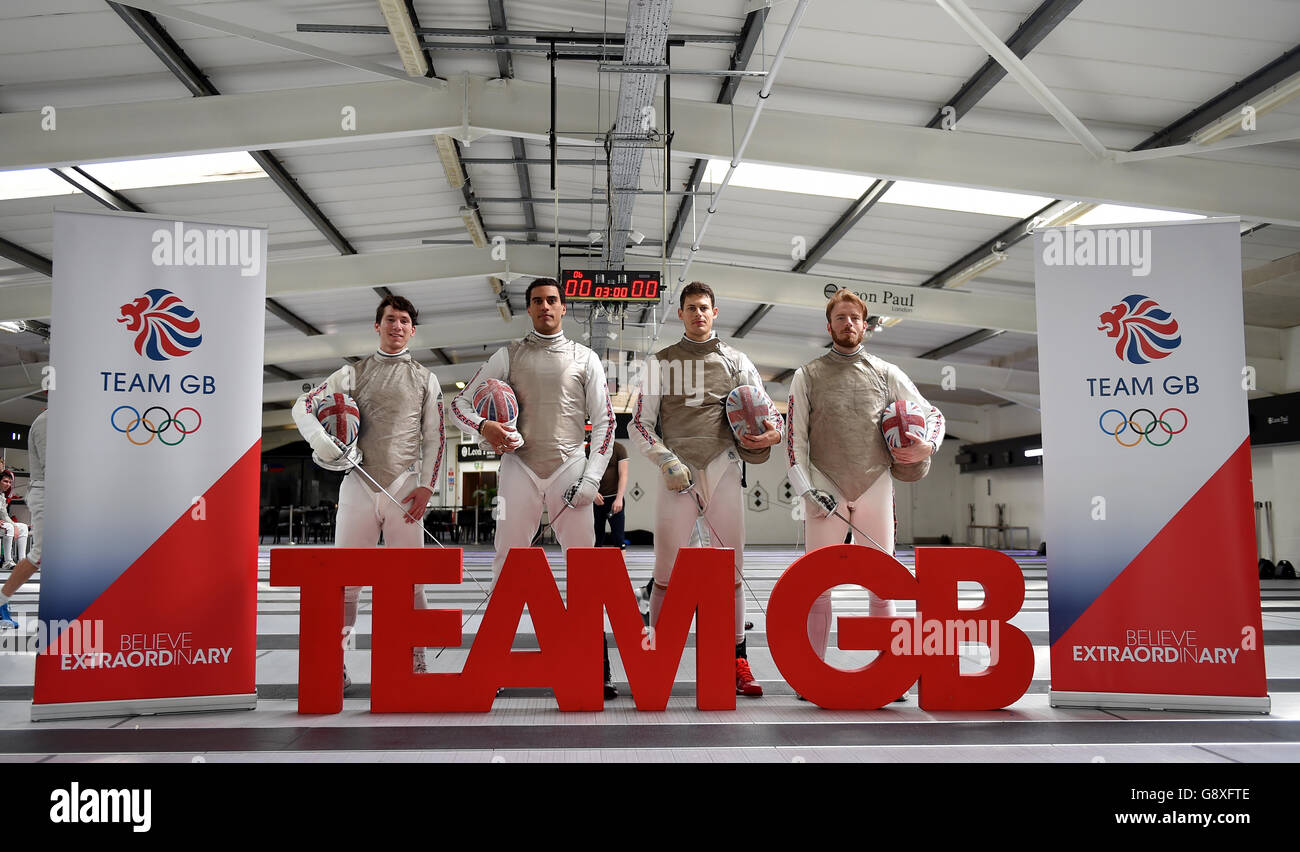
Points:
[(149, 563), (1153, 594)]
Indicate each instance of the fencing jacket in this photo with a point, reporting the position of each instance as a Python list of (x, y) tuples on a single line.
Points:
[(684, 394), (559, 384), (400, 402), (833, 421)]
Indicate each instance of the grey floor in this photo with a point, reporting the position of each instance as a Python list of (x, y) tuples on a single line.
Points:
[(526, 726)]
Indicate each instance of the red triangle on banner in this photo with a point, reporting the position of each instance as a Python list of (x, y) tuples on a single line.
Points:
[(1193, 592), (182, 620)]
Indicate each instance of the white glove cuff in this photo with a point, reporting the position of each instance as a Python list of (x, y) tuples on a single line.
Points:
[(799, 479)]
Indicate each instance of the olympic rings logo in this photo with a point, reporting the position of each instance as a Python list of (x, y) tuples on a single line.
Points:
[(1141, 430), (164, 426)]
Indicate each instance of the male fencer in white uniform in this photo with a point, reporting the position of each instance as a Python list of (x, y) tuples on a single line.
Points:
[(696, 450), (559, 385), (401, 444), (836, 453)]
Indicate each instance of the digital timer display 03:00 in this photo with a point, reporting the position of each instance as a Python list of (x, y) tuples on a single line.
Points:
[(610, 285)]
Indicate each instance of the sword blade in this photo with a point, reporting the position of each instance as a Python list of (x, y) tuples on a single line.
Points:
[(699, 505), (837, 514), (427, 534)]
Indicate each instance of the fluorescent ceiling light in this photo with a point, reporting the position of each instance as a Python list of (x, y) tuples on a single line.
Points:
[(450, 160), (1114, 214), (789, 179), (1067, 212), (1282, 93), (135, 174), (964, 199), (974, 270), (399, 23), (474, 225), (909, 193), (1034, 453)]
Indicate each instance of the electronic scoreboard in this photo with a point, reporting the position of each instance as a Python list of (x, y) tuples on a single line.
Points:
[(610, 285)]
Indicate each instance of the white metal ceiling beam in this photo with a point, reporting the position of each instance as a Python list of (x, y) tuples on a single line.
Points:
[(403, 266), (363, 340), (952, 307), (168, 10), (448, 375), (987, 39), (967, 376), (738, 283), (348, 272), (242, 122), (1267, 138), (771, 286), (311, 116)]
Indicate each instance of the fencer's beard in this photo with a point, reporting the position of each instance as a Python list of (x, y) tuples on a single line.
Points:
[(850, 339)]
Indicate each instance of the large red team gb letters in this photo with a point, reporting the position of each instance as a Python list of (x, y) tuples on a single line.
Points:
[(568, 659)]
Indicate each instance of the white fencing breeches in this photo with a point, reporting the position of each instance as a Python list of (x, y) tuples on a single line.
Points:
[(15, 540), (718, 487), (520, 498), (873, 513), (363, 515), (36, 530)]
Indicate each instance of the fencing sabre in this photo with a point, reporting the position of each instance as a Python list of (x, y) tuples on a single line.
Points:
[(699, 506)]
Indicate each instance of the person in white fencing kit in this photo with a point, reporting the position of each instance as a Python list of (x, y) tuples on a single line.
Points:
[(696, 450), (27, 565), (837, 456), (400, 442), (14, 532), (559, 385)]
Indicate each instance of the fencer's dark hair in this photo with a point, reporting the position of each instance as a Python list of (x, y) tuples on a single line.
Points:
[(542, 282), (8, 473), (397, 303), (696, 288)]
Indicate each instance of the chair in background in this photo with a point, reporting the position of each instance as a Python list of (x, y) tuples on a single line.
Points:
[(316, 522), (282, 522), (266, 523), (465, 524), (439, 524)]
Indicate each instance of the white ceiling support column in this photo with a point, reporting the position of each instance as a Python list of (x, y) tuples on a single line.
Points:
[(10, 394), (1267, 138), (1028, 400), (363, 341), (968, 376), (344, 272), (296, 117), (167, 10), (987, 39), (809, 290), (287, 118), (448, 375), (391, 268)]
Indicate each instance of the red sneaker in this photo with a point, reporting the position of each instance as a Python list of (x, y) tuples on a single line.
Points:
[(745, 683)]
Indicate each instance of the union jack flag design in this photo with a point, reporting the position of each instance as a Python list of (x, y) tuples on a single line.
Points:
[(495, 400), (903, 423), (747, 407), (340, 417), (1143, 331), (164, 327)]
